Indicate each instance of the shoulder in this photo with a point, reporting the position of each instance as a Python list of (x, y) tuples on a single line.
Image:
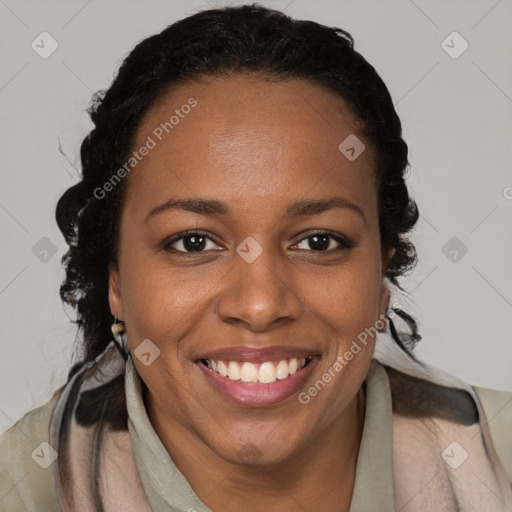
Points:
[(416, 397), (497, 406), (26, 475)]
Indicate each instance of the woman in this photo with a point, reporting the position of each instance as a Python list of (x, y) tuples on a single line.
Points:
[(241, 219)]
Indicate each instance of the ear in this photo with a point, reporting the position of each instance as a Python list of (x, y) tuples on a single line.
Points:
[(385, 295), (114, 292)]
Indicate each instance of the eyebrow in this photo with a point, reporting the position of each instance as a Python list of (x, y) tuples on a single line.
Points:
[(302, 207)]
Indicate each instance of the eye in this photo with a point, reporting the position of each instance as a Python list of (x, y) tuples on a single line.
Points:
[(191, 241), (320, 241)]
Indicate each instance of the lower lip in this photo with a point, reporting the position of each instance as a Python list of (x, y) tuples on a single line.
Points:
[(256, 394)]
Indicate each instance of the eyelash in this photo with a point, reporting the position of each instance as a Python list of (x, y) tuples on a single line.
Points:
[(345, 243)]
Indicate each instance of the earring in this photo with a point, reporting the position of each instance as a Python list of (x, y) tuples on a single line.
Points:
[(120, 335)]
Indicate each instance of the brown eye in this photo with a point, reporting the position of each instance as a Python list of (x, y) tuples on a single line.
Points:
[(322, 242), (191, 241)]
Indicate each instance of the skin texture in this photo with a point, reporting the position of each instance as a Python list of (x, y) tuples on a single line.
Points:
[(257, 146)]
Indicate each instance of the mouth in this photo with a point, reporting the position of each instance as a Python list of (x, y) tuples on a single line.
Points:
[(261, 383)]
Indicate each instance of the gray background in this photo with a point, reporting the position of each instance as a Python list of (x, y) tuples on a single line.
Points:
[(456, 114)]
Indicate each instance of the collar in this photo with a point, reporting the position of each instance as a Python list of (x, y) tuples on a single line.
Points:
[(373, 488)]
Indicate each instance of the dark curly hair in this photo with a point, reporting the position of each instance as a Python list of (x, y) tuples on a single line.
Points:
[(219, 42)]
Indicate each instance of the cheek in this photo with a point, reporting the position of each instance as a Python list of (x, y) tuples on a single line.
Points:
[(352, 311), (161, 302), (351, 295)]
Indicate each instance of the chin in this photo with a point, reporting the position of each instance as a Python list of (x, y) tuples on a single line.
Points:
[(254, 452)]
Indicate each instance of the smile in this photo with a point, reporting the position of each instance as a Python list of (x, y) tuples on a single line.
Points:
[(258, 384)]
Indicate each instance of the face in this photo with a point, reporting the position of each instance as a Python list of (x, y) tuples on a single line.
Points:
[(262, 270)]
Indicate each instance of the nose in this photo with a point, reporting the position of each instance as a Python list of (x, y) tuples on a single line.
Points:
[(259, 295)]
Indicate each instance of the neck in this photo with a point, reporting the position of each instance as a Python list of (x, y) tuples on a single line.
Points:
[(320, 477)]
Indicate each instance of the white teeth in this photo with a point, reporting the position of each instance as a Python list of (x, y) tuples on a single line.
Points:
[(248, 372), (267, 373), (282, 370), (223, 369), (263, 373), (233, 370)]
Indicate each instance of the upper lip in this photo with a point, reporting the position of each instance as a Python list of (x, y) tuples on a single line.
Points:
[(259, 355)]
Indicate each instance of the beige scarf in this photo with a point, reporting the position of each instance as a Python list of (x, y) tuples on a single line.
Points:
[(443, 456)]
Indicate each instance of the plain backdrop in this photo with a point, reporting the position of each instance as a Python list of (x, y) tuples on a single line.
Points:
[(455, 104)]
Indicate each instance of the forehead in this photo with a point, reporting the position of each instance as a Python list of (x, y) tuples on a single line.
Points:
[(226, 137)]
